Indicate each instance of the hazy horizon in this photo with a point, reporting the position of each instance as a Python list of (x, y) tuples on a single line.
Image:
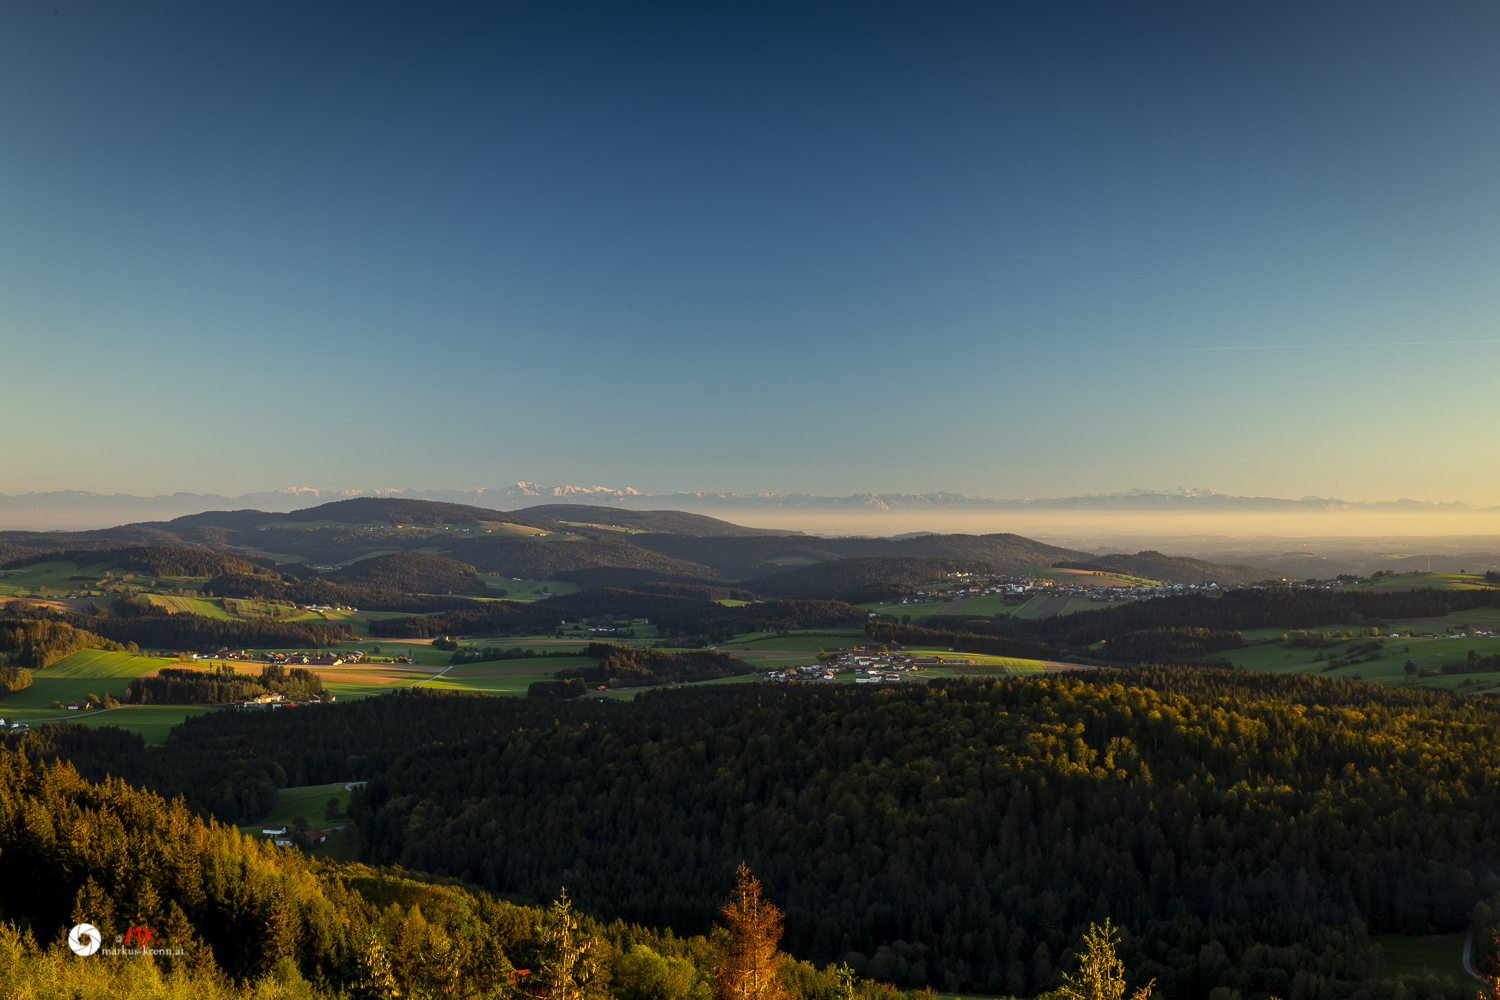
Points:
[(1073, 526), (1014, 251)]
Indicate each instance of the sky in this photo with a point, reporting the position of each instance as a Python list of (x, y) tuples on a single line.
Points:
[(1006, 250)]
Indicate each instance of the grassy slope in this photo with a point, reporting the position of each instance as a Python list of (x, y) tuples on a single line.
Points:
[(206, 606), (51, 575)]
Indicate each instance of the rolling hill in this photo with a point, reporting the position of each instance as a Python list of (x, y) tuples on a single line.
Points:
[(744, 558), (674, 522), (864, 578), (410, 573), (1174, 569)]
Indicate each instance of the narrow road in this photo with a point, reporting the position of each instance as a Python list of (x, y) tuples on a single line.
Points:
[(1469, 956), (434, 676)]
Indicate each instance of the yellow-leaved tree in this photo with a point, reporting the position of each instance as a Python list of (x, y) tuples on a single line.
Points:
[(750, 964)]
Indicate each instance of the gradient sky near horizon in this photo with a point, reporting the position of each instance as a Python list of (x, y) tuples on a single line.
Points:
[(1000, 249)]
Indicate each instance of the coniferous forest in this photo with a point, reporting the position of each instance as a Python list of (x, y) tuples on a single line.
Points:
[(1249, 831)]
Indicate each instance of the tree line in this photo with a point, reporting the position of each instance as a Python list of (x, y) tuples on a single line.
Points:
[(627, 666), (674, 616), (962, 641), (39, 643), (864, 578), (220, 685), (1168, 645), (134, 620), (1154, 565), (749, 558), (315, 590), (491, 653), (1234, 611)]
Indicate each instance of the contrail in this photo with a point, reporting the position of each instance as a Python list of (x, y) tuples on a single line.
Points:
[(1283, 347)]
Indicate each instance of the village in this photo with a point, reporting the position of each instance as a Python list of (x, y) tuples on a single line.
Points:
[(869, 662)]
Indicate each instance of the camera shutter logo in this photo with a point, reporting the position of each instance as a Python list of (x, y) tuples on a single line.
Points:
[(84, 939)]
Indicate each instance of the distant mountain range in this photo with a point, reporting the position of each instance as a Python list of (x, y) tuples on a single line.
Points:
[(75, 510), (670, 553)]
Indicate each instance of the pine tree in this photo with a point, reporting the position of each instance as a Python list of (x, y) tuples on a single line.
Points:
[(575, 966), (1101, 974), (750, 966)]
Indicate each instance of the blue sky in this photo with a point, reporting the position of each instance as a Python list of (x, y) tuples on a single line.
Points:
[(1000, 249)]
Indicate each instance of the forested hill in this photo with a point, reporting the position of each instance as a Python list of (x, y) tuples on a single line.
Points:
[(743, 558), (675, 522), (1251, 831), (871, 578), (411, 573), (965, 832), (155, 560), (567, 538), (1176, 569), (232, 917), (379, 510), (1235, 611), (542, 560)]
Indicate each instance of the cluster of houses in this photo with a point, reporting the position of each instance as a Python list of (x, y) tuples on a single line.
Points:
[(275, 699), (14, 726), (1019, 589), (286, 659), (870, 663)]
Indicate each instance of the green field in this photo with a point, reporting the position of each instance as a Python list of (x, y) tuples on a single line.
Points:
[(48, 577), (1439, 581), (1031, 607), (99, 663), (153, 722), (1088, 578), (1439, 955), (74, 678), (1427, 654), (985, 665), (94, 671), (249, 610), (987, 607), (310, 801), (208, 607), (792, 643), (528, 590)]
